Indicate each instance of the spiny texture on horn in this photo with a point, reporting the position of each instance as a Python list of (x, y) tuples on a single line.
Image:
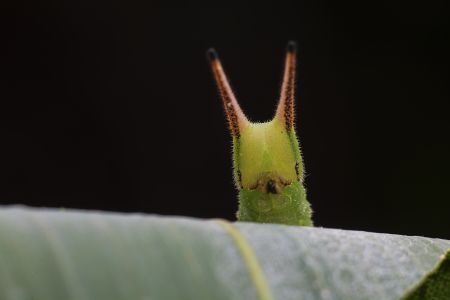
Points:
[(285, 110), (235, 116)]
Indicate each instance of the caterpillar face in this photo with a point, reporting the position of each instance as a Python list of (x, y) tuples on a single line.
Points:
[(267, 157)]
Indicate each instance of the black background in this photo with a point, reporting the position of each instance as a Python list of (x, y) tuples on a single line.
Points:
[(110, 105)]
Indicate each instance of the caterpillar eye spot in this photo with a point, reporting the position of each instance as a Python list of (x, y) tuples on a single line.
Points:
[(239, 174), (297, 170)]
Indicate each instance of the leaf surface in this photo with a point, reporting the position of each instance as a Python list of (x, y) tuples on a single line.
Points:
[(67, 254)]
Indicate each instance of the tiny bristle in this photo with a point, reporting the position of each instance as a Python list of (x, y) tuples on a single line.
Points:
[(212, 54), (292, 47)]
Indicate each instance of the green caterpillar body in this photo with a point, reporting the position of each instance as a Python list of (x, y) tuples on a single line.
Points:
[(256, 206), (268, 166)]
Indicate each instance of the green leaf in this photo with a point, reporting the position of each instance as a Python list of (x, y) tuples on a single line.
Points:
[(435, 285), (66, 254)]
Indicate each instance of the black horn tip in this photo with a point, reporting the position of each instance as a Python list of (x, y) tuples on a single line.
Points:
[(292, 47), (212, 54)]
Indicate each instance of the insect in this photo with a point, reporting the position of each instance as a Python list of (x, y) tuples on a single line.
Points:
[(267, 162)]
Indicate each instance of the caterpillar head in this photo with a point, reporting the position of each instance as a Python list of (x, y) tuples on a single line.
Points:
[(266, 156)]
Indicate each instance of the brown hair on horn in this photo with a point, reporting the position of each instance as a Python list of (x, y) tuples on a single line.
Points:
[(236, 118), (285, 110)]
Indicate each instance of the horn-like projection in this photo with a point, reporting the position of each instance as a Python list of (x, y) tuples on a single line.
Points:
[(285, 110), (236, 118)]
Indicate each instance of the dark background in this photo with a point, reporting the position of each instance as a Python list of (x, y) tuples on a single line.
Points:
[(110, 105)]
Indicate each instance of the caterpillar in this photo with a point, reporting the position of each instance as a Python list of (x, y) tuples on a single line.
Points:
[(267, 161)]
